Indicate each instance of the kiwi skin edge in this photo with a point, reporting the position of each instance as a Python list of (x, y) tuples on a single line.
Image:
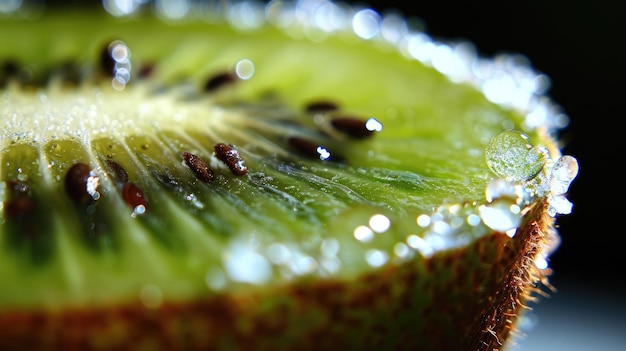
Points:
[(473, 303), (387, 300)]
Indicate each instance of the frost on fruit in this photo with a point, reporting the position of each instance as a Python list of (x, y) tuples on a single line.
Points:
[(527, 172), (563, 173)]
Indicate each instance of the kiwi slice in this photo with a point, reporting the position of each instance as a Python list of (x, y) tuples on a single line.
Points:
[(280, 176)]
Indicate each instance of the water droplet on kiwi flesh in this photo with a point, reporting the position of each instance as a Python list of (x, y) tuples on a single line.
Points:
[(510, 155)]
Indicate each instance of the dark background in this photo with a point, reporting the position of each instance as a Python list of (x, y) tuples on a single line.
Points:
[(579, 45)]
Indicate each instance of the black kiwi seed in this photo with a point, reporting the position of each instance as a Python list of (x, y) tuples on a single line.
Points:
[(107, 62), (9, 69), (198, 166), (81, 184), (220, 80), (19, 208), (69, 71), (20, 205), (230, 156), (355, 127), (21, 214), (309, 148), (117, 172), (131, 193), (145, 70), (321, 106)]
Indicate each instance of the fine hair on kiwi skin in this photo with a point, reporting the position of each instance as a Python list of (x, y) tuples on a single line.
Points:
[(185, 184)]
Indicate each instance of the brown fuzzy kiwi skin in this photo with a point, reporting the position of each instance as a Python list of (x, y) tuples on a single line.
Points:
[(463, 299), (521, 285)]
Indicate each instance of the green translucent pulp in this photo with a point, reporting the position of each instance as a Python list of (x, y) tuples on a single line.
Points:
[(289, 217)]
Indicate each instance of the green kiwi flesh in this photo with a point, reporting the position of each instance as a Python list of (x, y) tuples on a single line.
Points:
[(385, 243)]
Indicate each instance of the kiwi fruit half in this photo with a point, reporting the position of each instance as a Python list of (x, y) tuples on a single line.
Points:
[(230, 175)]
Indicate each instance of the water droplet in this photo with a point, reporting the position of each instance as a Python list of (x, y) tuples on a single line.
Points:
[(93, 182), (401, 250), (366, 23), (511, 156), (376, 258), (9, 6), (120, 8), (363, 233), (330, 247), (246, 15), (423, 220), (309, 148), (81, 184), (151, 296), (420, 245), (278, 253), (323, 152), (244, 69), (564, 171), (442, 227), (541, 262), (138, 211), (501, 215), (498, 188), (473, 220), (172, 9), (115, 61), (215, 279), (393, 27), (456, 223), (379, 223), (304, 264), (559, 205), (243, 264), (373, 125), (331, 264)]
